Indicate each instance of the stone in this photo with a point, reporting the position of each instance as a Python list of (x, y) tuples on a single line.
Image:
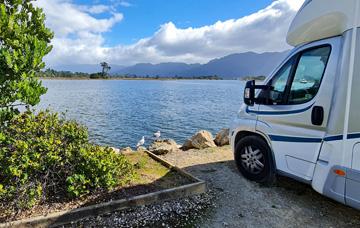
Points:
[(222, 137), (116, 150), (141, 149), (163, 146), (126, 150), (187, 145), (201, 140)]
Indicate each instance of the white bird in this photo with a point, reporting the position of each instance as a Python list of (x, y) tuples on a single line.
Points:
[(157, 134), (141, 142)]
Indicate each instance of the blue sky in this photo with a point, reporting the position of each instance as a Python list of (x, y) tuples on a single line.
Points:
[(126, 32), (144, 17)]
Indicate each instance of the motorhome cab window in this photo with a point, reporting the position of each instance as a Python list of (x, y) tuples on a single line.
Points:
[(308, 75), (300, 85), (278, 84)]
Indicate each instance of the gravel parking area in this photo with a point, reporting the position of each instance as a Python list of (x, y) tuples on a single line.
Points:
[(241, 203), (232, 201)]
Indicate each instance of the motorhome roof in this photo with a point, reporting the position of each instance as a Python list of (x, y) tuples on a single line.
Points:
[(319, 19)]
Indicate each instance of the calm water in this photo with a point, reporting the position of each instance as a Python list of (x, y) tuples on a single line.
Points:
[(118, 113)]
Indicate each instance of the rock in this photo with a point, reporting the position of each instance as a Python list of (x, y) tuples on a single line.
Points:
[(222, 137), (141, 149), (116, 150), (163, 146), (187, 145), (201, 140), (126, 150)]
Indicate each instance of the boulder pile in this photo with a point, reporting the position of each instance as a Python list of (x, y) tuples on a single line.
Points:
[(201, 140)]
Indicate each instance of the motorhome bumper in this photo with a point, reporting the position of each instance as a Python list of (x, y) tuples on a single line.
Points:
[(342, 185)]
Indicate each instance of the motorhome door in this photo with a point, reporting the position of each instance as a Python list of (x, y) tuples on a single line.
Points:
[(294, 112)]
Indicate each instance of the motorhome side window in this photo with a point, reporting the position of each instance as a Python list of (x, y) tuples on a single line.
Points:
[(308, 75), (278, 85), (300, 85)]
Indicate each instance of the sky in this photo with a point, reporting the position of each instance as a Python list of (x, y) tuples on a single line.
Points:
[(126, 32)]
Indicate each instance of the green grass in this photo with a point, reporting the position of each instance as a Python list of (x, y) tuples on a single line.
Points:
[(149, 171)]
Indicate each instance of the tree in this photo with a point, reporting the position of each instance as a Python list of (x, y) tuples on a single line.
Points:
[(24, 41), (105, 68)]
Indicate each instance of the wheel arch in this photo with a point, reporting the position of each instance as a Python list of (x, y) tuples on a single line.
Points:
[(241, 134)]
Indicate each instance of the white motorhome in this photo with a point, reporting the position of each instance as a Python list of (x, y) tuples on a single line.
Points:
[(304, 120)]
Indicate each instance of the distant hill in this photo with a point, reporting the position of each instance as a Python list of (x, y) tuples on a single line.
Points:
[(241, 65), (228, 67), (161, 70)]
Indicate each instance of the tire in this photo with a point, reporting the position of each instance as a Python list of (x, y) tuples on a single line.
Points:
[(254, 160)]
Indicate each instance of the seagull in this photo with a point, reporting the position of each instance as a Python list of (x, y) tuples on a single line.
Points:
[(141, 142), (157, 134)]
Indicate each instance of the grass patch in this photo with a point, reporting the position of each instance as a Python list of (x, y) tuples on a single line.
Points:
[(149, 171)]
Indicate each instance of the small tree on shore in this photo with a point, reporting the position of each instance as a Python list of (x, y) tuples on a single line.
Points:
[(24, 41), (105, 68)]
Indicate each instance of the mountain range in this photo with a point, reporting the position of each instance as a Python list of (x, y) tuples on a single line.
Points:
[(228, 67)]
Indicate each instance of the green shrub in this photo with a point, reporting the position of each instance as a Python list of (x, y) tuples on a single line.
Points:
[(45, 155)]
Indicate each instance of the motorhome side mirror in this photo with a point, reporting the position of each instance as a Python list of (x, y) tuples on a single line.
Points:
[(249, 93)]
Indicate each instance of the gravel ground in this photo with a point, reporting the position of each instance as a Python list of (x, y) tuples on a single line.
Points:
[(177, 213), (232, 201), (241, 203)]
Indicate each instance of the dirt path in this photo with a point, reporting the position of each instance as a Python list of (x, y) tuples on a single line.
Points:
[(241, 203)]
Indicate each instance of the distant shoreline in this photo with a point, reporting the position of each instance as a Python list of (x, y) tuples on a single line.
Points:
[(129, 79)]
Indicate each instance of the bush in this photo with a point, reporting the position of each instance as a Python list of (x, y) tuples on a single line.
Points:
[(46, 155), (98, 76)]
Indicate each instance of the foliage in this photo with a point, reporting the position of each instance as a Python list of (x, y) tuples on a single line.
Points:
[(50, 73), (46, 155), (257, 78), (24, 41), (98, 75), (105, 68), (42, 155)]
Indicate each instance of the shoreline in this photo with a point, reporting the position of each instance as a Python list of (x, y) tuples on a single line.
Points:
[(135, 79)]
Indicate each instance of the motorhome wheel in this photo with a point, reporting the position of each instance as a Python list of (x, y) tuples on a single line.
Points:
[(253, 159)]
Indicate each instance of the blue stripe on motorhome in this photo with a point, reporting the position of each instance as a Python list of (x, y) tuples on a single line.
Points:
[(280, 138), (333, 138), (294, 139), (353, 136), (278, 112)]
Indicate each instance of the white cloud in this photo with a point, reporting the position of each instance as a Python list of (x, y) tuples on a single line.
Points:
[(122, 3), (65, 18), (95, 9), (79, 36), (125, 4), (295, 4)]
